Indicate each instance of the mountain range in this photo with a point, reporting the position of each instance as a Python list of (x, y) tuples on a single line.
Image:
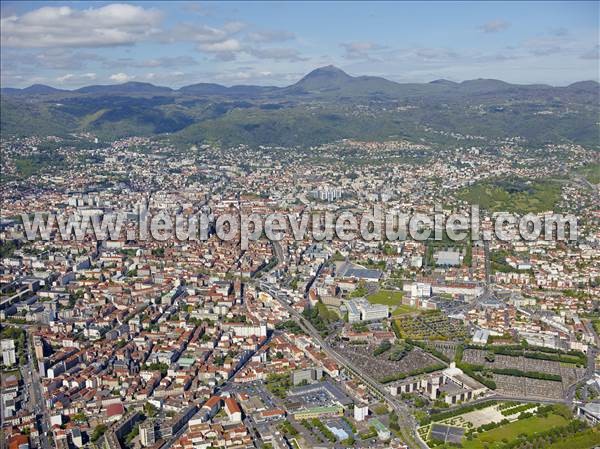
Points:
[(326, 104)]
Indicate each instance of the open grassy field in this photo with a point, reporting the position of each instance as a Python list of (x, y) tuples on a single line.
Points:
[(403, 310), (327, 313), (513, 195), (493, 439), (390, 298), (591, 172)]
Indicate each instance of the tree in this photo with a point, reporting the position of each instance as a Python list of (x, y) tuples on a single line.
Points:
[(98, 432), (394, 421), (79, 417), (131, 435), (150, 410)]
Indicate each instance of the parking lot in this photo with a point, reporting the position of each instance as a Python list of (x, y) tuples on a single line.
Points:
[(447, 434)]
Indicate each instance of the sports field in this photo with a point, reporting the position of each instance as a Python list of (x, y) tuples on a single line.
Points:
[(386, 297)]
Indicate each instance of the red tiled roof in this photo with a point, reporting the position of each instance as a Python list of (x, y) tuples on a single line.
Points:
[(212, 401), (17, 440), (232, 406)]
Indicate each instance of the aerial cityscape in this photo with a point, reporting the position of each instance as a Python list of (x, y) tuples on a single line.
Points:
[(294, 225)]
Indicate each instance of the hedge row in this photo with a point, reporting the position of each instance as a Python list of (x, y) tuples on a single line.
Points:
[(528, 374)]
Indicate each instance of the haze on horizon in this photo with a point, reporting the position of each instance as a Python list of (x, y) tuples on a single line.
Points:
[(69, 45)]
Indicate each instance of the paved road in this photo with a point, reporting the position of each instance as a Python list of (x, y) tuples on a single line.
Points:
[(31, 376), (589, 374), (488, 268), (314, 278), (405, 419), (278, 251), (590, 328), (585, 182)]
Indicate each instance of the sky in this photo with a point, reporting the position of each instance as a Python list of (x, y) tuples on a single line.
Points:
[(72, 44)]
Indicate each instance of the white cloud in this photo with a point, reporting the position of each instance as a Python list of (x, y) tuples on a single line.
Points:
[(594, 53), (165, 61), (435, 54), (221, 42), (229, 45), (224, 50), (244, 75), (206, 34), (270, 36), (76, 78), (361, 50), (495, 26), (231, 39), (276, 54), (114, 24), (62, 59), (121, 77), (165, 77)]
